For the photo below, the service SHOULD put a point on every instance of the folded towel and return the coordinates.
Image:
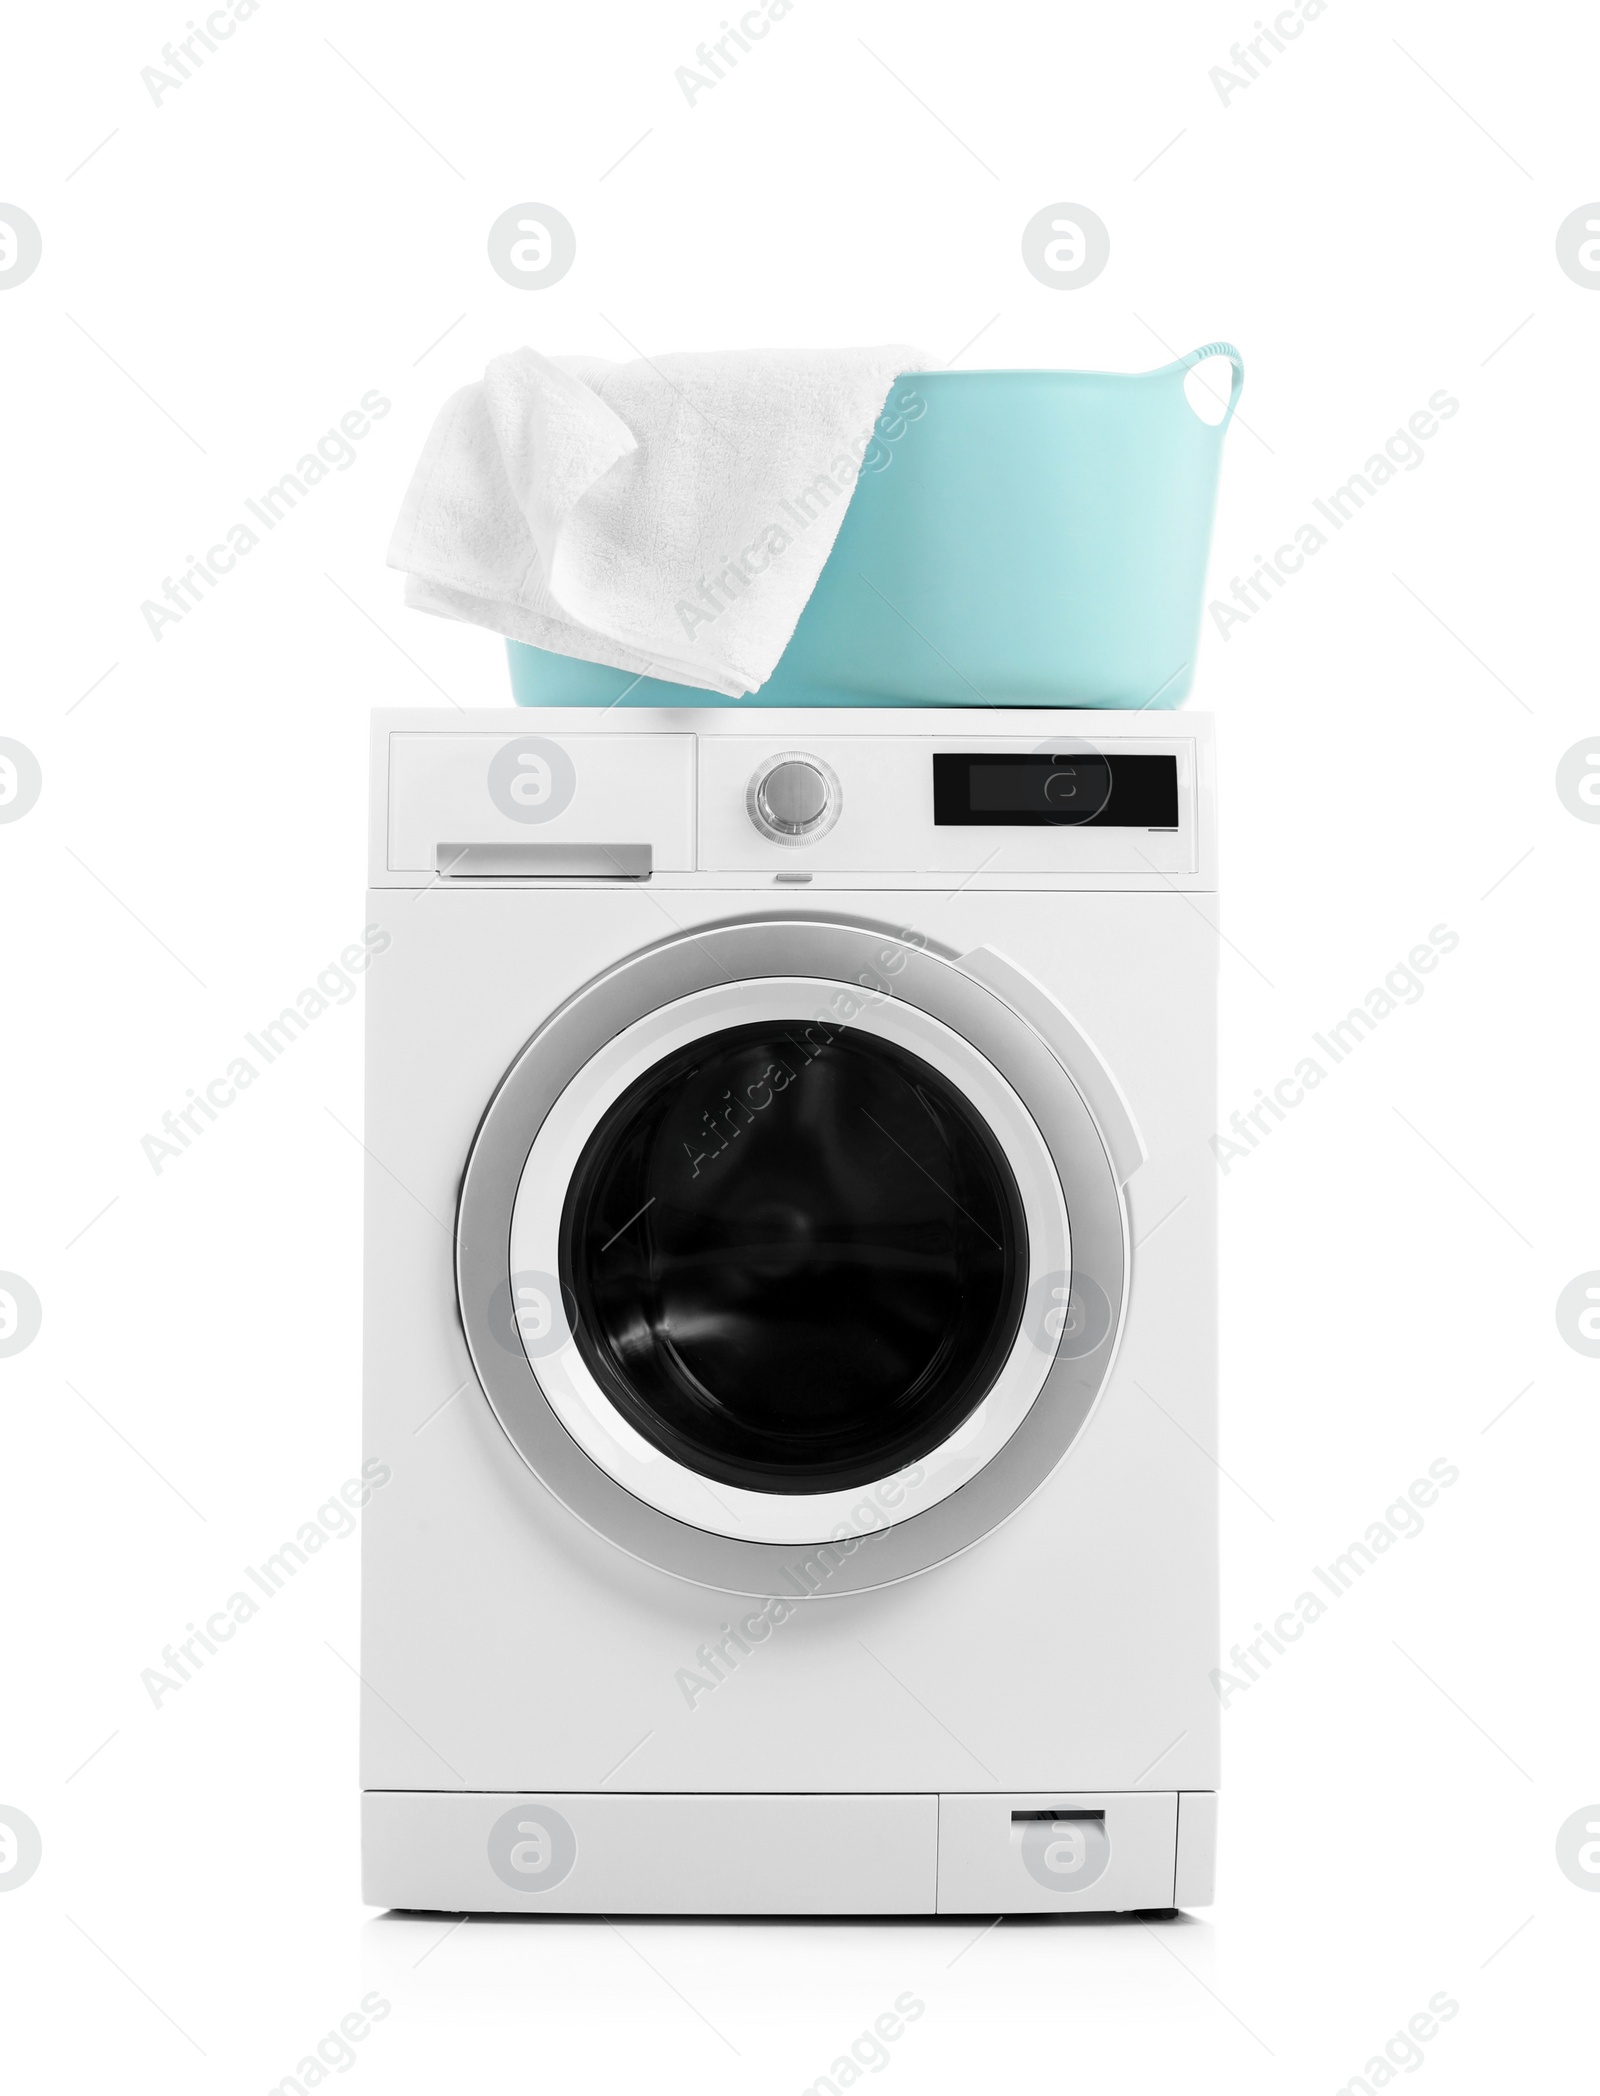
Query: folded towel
(670, 516)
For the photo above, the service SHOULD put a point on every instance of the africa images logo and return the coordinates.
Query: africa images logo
(532, 1847)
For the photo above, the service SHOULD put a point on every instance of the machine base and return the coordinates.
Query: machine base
(644, 1852)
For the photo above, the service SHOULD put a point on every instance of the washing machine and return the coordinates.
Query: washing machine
(790, 1312)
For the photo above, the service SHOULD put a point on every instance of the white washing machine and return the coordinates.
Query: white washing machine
(790, 1313)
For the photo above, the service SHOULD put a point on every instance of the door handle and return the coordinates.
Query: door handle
(543, 862)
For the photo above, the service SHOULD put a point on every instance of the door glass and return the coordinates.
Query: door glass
(797, 1254)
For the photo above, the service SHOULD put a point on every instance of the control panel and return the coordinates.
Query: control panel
(827, 799)
(934, 804)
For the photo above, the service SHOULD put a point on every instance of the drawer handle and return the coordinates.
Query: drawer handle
(543, 862)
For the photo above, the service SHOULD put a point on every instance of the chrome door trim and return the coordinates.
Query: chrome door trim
(863, 963)
(1074, 1051)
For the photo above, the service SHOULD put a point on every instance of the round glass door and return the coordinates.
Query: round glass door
(761, 1244)
(792, 1267)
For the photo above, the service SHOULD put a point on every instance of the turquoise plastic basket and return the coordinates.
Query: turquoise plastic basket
(1016, 538)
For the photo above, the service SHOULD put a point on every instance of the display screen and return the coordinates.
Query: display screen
(1138, 792)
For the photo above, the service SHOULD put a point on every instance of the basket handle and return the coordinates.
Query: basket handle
(1219, 349)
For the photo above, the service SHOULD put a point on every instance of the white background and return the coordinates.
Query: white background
(304, 220)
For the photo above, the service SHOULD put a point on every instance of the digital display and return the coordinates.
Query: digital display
(1138, 792)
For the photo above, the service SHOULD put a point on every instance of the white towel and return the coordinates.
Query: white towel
(669, 516)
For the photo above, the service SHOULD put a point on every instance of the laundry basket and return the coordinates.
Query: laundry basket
(1015, 538)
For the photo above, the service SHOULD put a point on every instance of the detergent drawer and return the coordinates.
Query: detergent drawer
(580, 792)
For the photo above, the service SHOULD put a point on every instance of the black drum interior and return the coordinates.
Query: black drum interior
(797, 1256)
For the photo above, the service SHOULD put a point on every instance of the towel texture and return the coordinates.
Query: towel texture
(668, 516)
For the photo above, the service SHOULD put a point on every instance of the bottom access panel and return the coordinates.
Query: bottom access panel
(646, 1852)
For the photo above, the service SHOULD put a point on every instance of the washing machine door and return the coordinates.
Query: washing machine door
(792, 1254)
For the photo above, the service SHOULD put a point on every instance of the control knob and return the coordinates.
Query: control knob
(794, 798)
